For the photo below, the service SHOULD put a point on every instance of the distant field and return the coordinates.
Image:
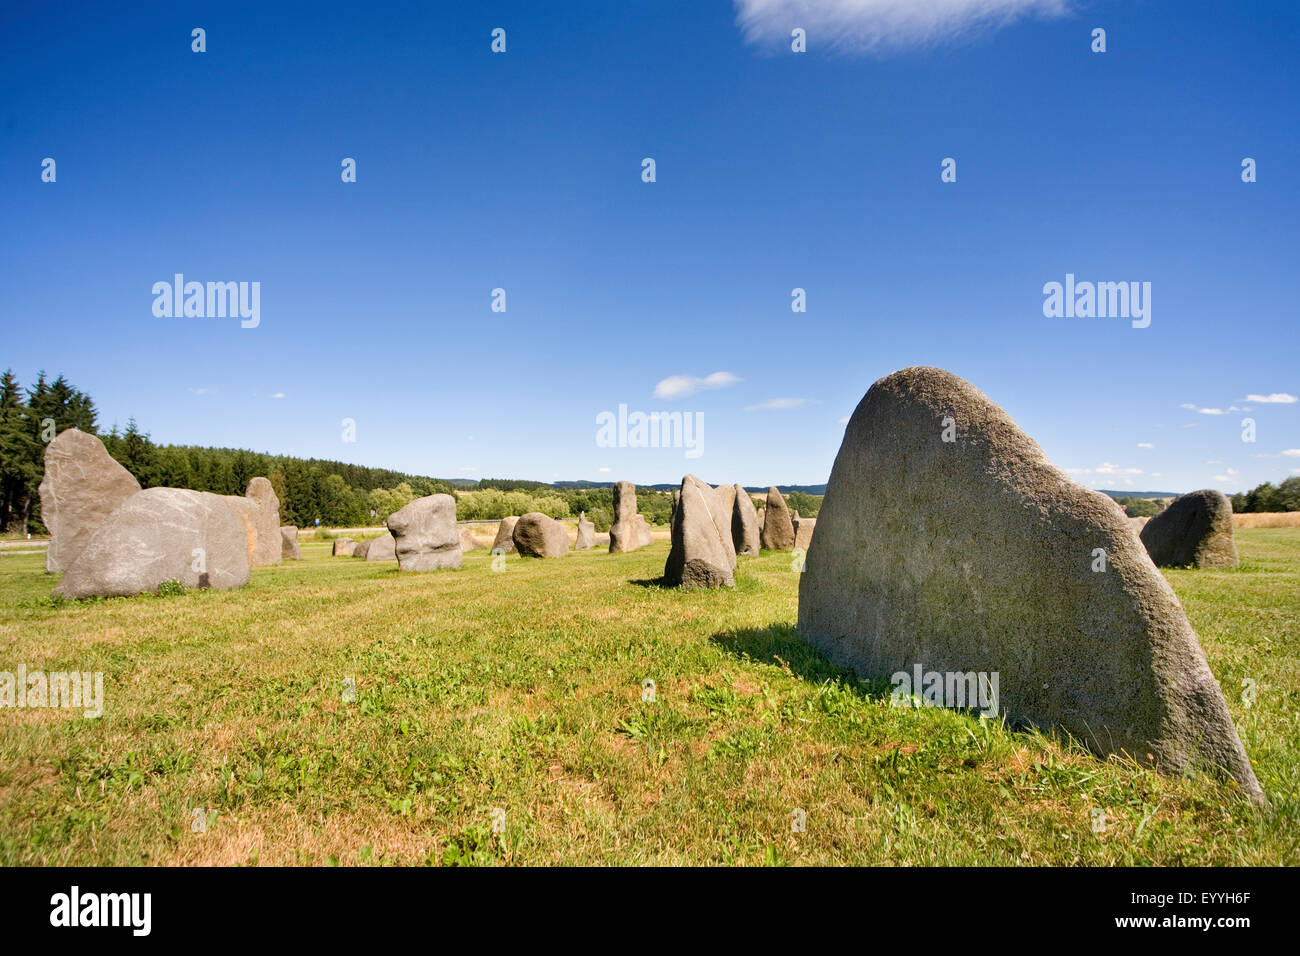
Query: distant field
(1274, 519)
(521, 691)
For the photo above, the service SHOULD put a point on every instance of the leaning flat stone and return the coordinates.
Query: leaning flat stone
(82, 486)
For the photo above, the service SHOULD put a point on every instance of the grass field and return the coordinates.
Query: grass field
(514, 699)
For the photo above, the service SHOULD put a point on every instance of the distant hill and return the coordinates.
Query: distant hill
(1140, 494)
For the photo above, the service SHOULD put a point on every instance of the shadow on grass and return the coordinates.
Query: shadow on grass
(781, 645)
(649, 582)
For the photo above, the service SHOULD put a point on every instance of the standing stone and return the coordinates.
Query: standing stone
(803, 531)
(160, 535)
(383, 548)
(504, 542)
(1196, 529)
(343, 547)
(624, 533)
(539, 536)
(289, 550)
(721, 509)
(468, 542)
(586, 533)
(744, 524)
(261, 492)
(424, 535)
(979, 556)
(82, 486)
(698, 557)
(1138, 523)
(778, 529)
(644, 535)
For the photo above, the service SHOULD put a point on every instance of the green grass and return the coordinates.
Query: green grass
(521, 692)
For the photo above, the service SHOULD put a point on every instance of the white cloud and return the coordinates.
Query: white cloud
(779, 403)
(1145, 444)
(200, 391)
(1275, 398)
(868, 25)
(844, 420)
(1292, 452)
(604, 471)
(1106, 468)
(680, 386)
(278, 395)
(468, 468)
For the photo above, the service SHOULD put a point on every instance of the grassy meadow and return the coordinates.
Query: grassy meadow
(499, 719)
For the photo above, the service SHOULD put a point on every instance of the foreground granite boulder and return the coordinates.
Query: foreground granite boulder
(626, 533)
(425, 536)
(949, 542)
(586, 533)
(744, 523)
(82, 486)
(699, 555)
(1196, 529)
(160, 535)
(289, 550)
(539, 536)
(777, 533)
(267, 522)
(505, 539)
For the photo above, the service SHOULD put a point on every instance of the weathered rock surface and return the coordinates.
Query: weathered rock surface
(777, 533)
(539, 536)
(625, 533)
(83, 485)
(289, 550)
(744, 523)
(644, 535)
(721, 510)
(468, 541)
(267, 550)
(383, 548)
(803, 532)
(343, 547)
(978, 555)
(586, 533)
(505, 539)
(424, 535)
(1196, 529)
(160, 535)
(699, 557)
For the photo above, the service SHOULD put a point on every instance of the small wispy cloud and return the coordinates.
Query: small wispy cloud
(605, 471)
(776, 403)
(200, 391)
(873, 25)
(844, 420)
(1106, 469)
(1145, 444)
(680, 386)
(1213, 411)
(278, 395)
(1291, 452)
(1273, 398)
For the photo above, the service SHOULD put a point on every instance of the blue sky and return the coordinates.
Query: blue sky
(774, 170)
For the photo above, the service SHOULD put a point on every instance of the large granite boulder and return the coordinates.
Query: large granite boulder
(1196, 529)
(975, 555)
(247, 512)
(504, 543)
(343, 547)
(289, 550)
(724, 505)
(777, 533)
(699, 555)
(83, 485)
(425, 536)
(538, 536)
(625, 534)
(744, 523)
(586, 533)
(268, 547)
(160, 535)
